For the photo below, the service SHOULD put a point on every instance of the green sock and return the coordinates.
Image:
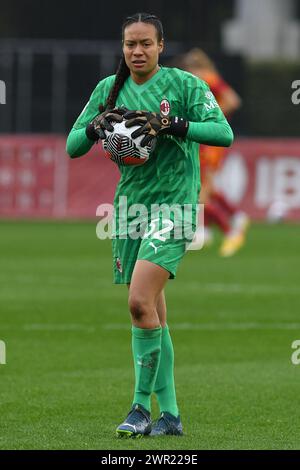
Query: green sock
(146, 345)
(164, 385)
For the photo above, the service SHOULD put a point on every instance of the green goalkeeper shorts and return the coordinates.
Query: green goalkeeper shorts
(126, 252)
(162, 241)
(164, 247)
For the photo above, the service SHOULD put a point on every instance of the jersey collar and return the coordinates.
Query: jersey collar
(140, 88)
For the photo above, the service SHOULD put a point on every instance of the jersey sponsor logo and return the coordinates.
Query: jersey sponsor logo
(212, 101)
(165, 107)
(209, 95)
(211, 105)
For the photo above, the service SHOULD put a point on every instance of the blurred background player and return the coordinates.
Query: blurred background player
(217, 209)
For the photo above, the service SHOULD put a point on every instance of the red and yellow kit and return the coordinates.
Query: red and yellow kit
(212, 157)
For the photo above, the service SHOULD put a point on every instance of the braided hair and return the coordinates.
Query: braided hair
(123, 71)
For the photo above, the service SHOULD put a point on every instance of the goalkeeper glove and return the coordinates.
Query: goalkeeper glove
(95, 130)
(153, 124)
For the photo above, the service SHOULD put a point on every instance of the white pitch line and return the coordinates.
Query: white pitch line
(58, 327)
(216, 326)
(244, 288)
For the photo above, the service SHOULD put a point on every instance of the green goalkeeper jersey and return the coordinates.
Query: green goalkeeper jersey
(172, 174)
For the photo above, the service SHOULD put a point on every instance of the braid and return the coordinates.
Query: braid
(122, 73)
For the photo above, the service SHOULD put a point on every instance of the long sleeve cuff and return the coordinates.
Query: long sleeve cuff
(77, 143)
(211, 133)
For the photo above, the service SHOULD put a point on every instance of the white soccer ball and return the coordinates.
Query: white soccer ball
(122, 149)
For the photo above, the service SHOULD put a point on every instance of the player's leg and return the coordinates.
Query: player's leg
(161, 308)
(148, 280)
(214, 213)
(237, 220)
(169, 421)
(147, 283)
(223, 202)
(157, 261)
(211, 214)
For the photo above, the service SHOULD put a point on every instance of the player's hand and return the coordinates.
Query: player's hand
(153, 124)
(95, 130)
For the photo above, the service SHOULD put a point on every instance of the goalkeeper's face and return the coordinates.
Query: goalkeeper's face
(141, 50)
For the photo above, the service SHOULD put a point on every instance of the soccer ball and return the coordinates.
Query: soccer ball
(122, 149)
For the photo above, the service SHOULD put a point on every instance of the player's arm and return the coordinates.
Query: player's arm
(228, 98)
(80, 141)
(229, 101)
(217, 133)
(205, 123)
(77, 143)
(92, 122)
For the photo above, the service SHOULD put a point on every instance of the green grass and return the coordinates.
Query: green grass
(68, 380)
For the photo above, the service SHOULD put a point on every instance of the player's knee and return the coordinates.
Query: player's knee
(139, 307)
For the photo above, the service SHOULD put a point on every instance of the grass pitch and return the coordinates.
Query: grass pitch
(68, 380)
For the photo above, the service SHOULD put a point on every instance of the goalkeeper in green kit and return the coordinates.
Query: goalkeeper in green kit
(179, 111)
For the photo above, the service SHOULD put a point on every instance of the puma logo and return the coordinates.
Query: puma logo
(155, 247)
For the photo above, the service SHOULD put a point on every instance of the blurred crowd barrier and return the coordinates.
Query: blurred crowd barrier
(38, 179)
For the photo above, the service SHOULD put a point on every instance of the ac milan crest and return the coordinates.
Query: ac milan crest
(165, 107)
(118, 264)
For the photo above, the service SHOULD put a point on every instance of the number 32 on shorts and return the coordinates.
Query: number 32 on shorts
(158, 233)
